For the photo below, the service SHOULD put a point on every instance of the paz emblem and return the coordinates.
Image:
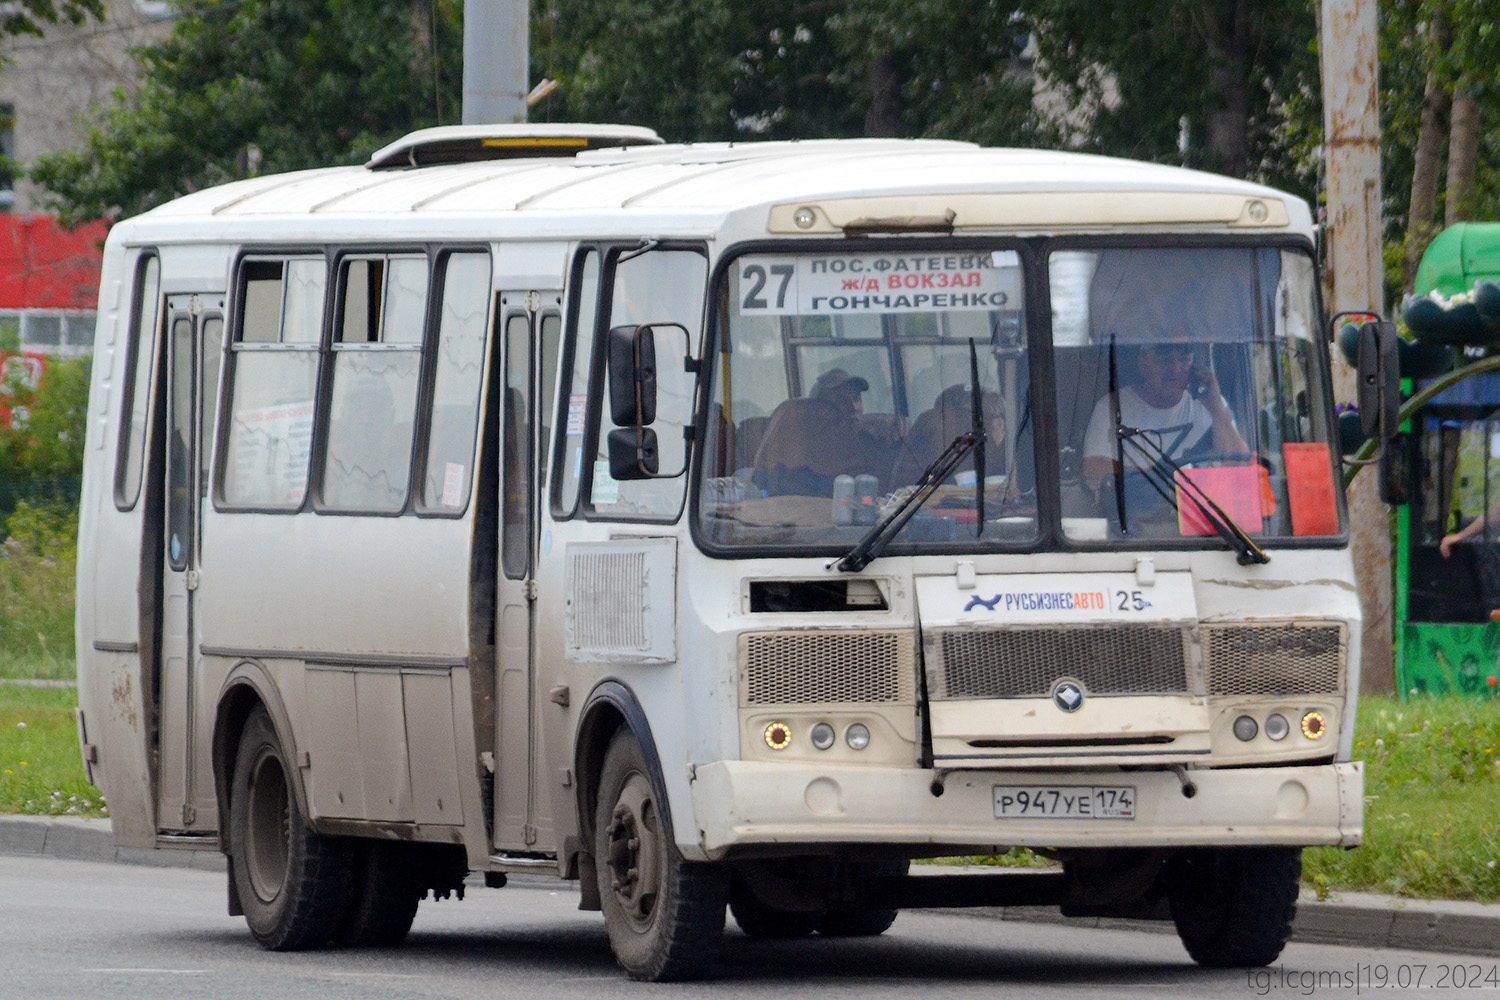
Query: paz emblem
(1067, 696)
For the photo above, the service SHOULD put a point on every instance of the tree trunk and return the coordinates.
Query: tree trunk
(884, 116)
(1432, 136)
(1227, 37)
(1421, 215)
(1463, 158)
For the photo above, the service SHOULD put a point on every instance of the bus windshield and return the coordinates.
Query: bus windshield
(1188, 384)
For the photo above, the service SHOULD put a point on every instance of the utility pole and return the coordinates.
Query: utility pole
(497, 55)
(1348, 44)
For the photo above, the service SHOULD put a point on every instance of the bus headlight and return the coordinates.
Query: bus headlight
(1245, 728)
(1277, 727)
(857, 736)
(822, 736)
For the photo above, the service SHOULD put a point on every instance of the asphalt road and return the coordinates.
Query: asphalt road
(79, 929)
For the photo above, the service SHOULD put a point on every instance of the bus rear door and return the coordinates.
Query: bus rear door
(195, 341)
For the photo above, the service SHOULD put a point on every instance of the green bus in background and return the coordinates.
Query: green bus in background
(1446, 642)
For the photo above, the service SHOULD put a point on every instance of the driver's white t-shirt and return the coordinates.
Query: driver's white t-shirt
(1179, 428)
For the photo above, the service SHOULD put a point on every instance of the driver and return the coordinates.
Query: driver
(1156, 398)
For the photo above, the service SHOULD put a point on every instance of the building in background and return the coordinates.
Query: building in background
(48, 84)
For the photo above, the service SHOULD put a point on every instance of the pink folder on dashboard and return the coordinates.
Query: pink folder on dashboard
(1235, 488)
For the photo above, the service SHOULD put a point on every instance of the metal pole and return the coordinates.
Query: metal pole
(496, 60)
(1349, 52)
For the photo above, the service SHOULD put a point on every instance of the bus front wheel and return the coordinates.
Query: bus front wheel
(1233, 907)
(292, 882)
(664, 916)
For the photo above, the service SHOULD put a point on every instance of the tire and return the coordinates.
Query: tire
(292, 882)
(865, 923)
(1234, 907)
(664, 916)
(761, 920)
(383, 897)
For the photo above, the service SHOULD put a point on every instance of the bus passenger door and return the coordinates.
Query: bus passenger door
(530, 329)
(195, 339)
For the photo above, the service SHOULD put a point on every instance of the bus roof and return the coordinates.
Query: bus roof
(699, 185)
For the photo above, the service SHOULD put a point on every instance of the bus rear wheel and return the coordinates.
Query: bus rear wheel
(1233, 907)
(664, 916)
(384, 895)
(292, 883)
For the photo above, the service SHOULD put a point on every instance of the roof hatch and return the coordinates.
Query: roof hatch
(472, 143)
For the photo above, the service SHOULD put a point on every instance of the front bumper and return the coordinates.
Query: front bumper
(754, 803)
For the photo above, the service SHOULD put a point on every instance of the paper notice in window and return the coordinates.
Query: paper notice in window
(453, 484)
(1235, 488)
(577, 406)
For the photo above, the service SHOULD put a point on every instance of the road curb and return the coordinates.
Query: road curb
(1358, 919)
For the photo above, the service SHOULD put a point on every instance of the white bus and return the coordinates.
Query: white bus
(721, 526)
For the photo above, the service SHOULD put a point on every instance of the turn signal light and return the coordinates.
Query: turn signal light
(778, 736)
(1314, 725)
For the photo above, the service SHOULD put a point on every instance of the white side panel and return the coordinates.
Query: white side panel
(331, 584)
(195, 268)
(539, 266)
(431, 740)
(622, 600)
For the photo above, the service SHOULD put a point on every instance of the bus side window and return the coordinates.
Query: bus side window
(459, 364)
(273, 374)
(662, 286)
(377, 356)
(584, 306)
(136, 397)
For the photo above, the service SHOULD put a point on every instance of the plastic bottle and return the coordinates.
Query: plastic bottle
(865, 487)
(843, 500)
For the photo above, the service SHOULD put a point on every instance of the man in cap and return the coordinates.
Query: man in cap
(810, 441)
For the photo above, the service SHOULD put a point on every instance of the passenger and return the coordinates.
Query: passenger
(1157, 399)
(1487, 521)
(811, 440)
(950, 416)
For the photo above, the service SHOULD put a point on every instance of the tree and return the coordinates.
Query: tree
(31, 17)
(1236, 79)
(1440, 87)
(262, 86)
(722, 70)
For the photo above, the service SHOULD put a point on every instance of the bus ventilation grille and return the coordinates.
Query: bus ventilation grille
(843, 667)
(1280, 658)
(1026, 662)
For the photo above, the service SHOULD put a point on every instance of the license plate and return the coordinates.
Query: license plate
(1065, 802)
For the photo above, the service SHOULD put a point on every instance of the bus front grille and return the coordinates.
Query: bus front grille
(1274, 658)
(828, 667)
(1027, 662)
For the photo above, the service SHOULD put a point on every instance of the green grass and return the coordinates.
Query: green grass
(41, 770)
(1432, 803)
(38, 548)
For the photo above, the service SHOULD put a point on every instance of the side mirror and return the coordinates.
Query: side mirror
(633, 453)
(632, 377)
(1379, 380)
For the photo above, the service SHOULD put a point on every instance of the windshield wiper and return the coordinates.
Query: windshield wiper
(1245, 549)
(879, 536)
(1114, 413)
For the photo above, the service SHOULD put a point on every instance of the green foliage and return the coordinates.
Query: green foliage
(1243, 76)
(41, 770)
(721, 70)
(1432, 810)
(41, 456)
(31, 17)
(37, 558)
(241, 89)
